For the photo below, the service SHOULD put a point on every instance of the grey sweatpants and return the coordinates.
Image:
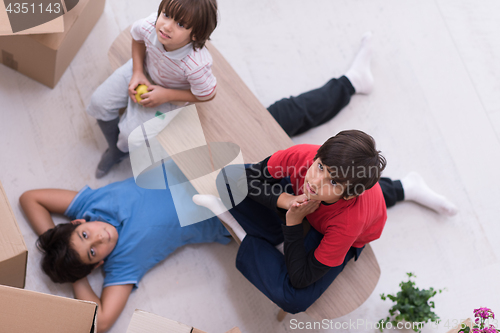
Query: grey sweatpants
(112, 95)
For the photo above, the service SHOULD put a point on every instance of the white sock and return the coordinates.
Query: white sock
(360, 73)
(217, 207)
(415, 189)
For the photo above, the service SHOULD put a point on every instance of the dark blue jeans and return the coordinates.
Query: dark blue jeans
(264, 266)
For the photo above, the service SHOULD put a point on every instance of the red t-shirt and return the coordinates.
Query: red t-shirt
(345, 223)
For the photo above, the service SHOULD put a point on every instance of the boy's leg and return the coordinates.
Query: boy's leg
(111, 95)
(392, 191)
(105, 104)
(299, 114)
(248, 216)
(113, 154)
(259, 221)
(413, 188)
(264, 266)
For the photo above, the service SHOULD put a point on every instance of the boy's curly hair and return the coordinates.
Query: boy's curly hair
(60, 261)
(201, 15)
(353, 161)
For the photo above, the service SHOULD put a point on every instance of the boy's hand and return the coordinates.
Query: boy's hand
(297, 199)
(137, 79)
(286, 200)
(298, 211)
(156, 95)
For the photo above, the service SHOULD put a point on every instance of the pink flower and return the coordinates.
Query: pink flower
(484, 313)
(490, 329)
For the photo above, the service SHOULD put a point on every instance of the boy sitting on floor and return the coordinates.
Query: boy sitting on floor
(169, 57)
(337, 187)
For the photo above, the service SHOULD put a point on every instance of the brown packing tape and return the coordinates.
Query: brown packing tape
(70, 4)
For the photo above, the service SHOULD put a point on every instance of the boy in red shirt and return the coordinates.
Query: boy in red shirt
(338, 187)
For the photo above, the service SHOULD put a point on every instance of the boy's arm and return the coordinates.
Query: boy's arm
(109, 306)
(38, 204)
(266, 190)
(203, 88)
(303, 268)
(158, 95)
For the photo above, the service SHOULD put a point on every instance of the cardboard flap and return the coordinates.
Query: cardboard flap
(11, 239)
(56, 25)
(234, 330)
(54, 40)
(13, 271)
(28, 311)
(143, 321)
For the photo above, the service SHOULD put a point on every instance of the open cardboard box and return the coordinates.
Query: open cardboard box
(13, 251)
(45, 57)
(143, 321)
(23, 311)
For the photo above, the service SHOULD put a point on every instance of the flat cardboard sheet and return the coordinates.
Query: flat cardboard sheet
(143, 321)
(23, 311)
(56, 25)
(13, 251)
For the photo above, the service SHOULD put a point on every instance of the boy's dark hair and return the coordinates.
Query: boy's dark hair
(201, 15)
(353, 161)
(60, 261)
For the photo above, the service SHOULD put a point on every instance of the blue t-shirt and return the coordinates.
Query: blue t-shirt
(147, 225)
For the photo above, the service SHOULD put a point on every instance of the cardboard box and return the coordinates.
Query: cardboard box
(13, 251)
(55, 25)
(23, 311)
(45, 57)
(143, 321)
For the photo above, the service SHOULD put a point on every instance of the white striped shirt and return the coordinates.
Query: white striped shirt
(184, 68)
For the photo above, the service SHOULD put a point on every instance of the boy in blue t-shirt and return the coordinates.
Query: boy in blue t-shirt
(121, 226)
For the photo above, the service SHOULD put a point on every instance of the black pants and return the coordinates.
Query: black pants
(299, 114)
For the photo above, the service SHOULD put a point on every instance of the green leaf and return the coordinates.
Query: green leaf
(411, 303)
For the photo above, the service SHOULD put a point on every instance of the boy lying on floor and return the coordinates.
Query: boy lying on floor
(124, 228)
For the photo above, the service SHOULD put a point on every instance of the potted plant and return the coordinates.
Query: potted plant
(482, 315)
(412, 309)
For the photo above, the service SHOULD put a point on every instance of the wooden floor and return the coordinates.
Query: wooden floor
(435, 109)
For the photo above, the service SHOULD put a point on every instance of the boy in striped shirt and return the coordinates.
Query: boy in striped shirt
(169, 57)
